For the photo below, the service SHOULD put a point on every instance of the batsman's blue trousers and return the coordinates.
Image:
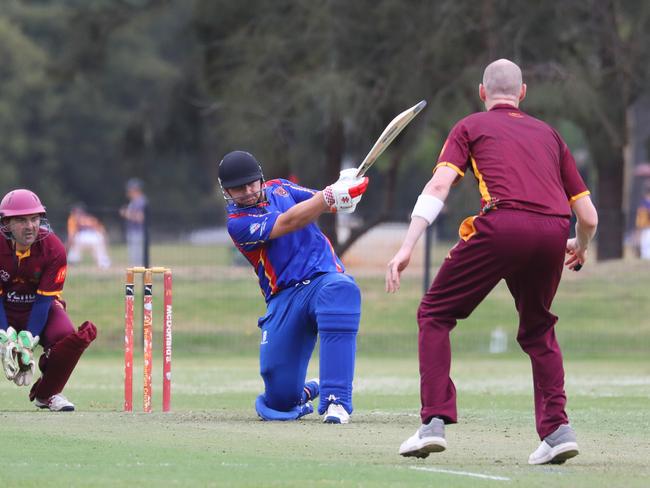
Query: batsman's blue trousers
(327, 306)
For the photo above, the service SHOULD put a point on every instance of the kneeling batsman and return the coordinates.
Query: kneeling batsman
(307, 293)
(17, 355)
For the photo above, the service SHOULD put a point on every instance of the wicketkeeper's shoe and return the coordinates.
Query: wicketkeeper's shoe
(557, 447)
(56, 403)
(336, 414)
(427, 439)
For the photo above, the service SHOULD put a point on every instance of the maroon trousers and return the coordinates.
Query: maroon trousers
(62, 346)
(525, 249)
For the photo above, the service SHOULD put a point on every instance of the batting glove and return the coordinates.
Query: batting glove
(26, 345)
(344, 195)
(9, 352)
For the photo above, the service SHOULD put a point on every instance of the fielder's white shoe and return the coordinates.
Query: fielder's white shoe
(336, 414)
(427, 439)
(557, 447)
(56, 403)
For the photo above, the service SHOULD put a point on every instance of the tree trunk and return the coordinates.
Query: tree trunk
(608, 135)
(334, 145)
(609, 195)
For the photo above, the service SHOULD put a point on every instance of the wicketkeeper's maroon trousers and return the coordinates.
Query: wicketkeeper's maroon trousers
(525, 249)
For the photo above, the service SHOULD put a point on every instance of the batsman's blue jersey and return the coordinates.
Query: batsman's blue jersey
(286, 260)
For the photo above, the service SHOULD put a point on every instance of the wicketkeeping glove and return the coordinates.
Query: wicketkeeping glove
(26, 345)
(344, 195)
(9, 352)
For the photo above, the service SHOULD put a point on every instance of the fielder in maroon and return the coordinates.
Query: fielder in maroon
(529, 185)
(32, 273)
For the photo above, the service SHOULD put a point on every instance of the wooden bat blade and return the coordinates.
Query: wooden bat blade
(390, 133)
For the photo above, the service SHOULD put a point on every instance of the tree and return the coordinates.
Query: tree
(589, 72)
(103, 91)
(311, 84)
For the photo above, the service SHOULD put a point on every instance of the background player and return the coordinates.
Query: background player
(32, 274)
(306, 290)
(529, 184)
(135, 219)
(85, 231)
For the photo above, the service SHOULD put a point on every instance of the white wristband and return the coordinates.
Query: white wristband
(428, 207)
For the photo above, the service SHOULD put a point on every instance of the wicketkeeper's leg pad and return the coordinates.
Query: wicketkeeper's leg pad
(59, 361)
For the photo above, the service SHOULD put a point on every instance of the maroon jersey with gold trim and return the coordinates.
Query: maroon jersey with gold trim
(39, 270)
(519, 161)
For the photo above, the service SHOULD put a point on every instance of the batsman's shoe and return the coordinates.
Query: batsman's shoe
(336, 414)
(265, 412)
(557, 447)
(311, 390)
(427, 439)
(56, 403)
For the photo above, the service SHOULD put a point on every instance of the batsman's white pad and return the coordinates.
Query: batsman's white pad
(428, 207)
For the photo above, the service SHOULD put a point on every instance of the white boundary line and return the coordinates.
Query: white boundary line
(462, 473)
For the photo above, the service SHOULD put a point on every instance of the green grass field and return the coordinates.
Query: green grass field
(213, 438)
(603, 310)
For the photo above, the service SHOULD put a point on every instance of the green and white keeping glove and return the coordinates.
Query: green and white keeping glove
(9, 352)
(27, 366)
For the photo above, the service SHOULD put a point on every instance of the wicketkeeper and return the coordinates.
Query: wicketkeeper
(32, 274)
(307, 292)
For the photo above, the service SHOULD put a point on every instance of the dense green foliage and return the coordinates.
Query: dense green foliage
(94, 92)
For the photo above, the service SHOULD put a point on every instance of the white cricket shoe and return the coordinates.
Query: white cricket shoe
(427, 439)
(56, 403)
(557, 447)
(336, 414)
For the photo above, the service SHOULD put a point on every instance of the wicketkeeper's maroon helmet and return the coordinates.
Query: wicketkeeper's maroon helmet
(21, 202)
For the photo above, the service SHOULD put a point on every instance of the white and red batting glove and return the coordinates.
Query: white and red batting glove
(344, 195)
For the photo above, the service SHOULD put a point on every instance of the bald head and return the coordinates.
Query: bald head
(502, 83)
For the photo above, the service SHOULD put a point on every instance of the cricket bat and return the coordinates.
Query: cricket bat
(390, 133)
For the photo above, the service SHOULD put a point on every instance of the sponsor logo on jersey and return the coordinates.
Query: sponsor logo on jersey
(265, 337)
(13, 297)
(516, 115)
(254, 227)
(4, 276)
(280, 191)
